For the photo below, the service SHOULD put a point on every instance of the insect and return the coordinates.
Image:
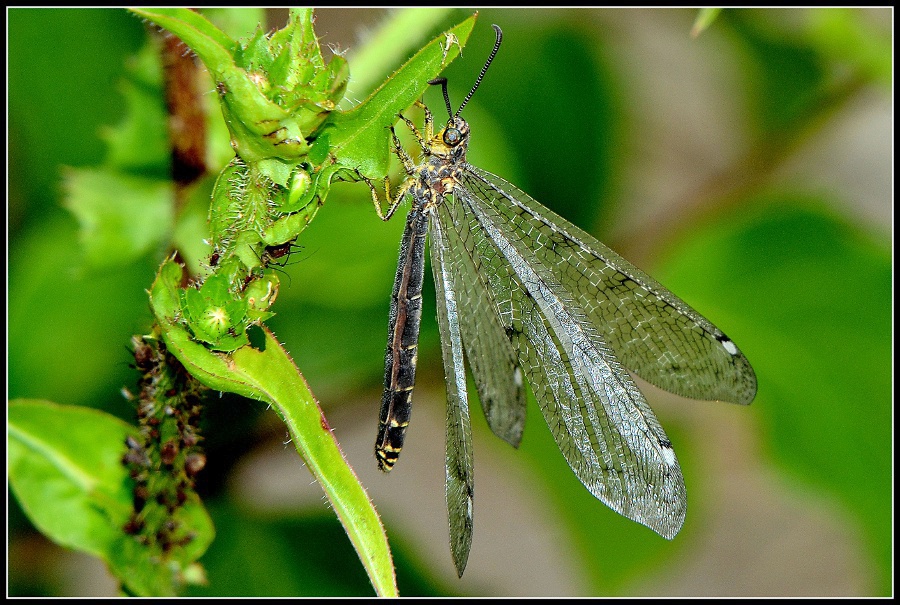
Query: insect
(273, 253)
(525, 295)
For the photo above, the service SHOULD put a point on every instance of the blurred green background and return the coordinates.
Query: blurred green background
(748, 169)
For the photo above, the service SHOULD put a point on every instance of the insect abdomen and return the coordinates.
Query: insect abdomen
(403, 340)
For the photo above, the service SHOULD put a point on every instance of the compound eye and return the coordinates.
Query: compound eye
(452, 137)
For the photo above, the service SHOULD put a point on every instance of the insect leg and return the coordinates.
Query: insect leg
(408, 165)
(393, 203)
(429, 121)
(423, 141)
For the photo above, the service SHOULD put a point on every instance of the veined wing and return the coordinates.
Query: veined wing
(460, 293)
(600, 420)
(459, 458)
(491, 357)
(653, 332)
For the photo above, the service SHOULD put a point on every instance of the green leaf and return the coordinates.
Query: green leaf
(252, 118)
(140, 568)
(845, 35)
(194, 25)
(392, 42)
(268, 374)
(65, 469)
(220, 323)
(360, 138)
(235, 22)
(124, 208)
(140, 143)
(275, 90)
(122, 217)
(704, 19)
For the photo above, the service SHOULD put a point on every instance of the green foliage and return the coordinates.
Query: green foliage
(66, 459)
(359, 138)
(122, 217)
(124, 207)
(276, 92)
(212, 312)
(65, 468)
(277, 95)
(267, 373)
(827, 416)
(847, 38)
(802, 290)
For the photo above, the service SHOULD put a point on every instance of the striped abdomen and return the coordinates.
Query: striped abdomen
(403, 339)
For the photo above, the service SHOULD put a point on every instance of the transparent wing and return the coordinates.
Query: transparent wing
(494, 364)
(653, 332)
(601, 422)
(459, 460)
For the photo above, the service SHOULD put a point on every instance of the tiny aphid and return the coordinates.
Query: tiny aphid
(521, 292)
(273, 253)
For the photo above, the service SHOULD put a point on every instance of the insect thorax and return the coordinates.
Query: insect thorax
(437, 176)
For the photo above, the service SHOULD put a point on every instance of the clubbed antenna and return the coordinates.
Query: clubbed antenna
(443, 81)
(483, 69)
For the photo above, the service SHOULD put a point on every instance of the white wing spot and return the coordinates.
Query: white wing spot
(668, 455)
(730, 347)
(517, 377)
